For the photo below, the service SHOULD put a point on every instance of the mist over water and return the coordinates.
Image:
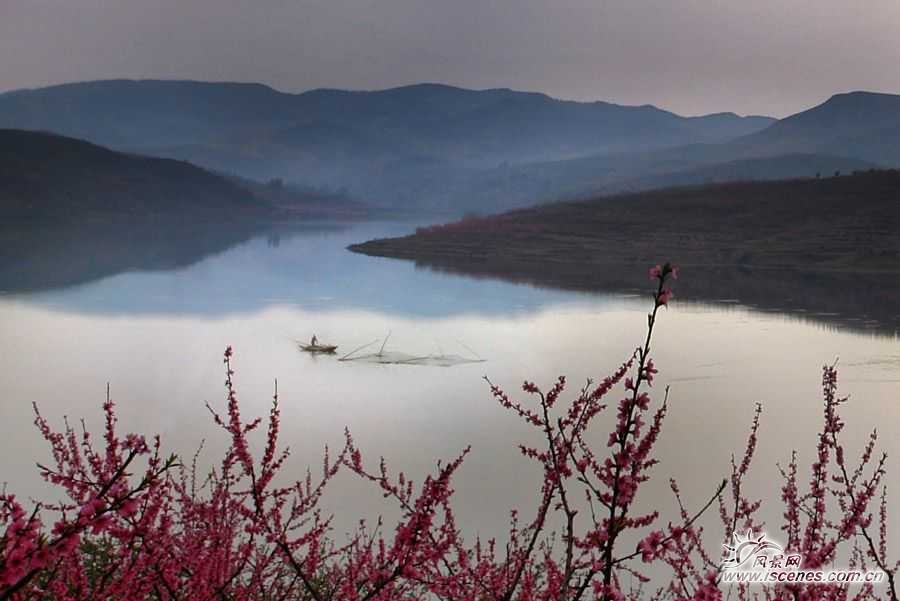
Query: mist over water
(157, 336)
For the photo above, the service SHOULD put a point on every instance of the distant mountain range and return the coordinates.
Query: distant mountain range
(440, 148)
(400, 147)
(245, 122)
(848, 132)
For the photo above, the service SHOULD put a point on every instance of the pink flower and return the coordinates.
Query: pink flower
(129, 508)
(649, 371)
(708, 589)
(665, 296)
(651, 546)
(655, 272)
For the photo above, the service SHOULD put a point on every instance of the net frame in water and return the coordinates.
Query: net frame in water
(383, 357)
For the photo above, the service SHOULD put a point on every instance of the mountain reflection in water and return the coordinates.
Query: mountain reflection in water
(173, 267)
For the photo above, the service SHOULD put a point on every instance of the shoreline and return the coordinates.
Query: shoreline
(823, 246)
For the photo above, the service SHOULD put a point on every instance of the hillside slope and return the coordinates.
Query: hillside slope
(834, 223)
(827, 246)
(863, 125)
(47, 176)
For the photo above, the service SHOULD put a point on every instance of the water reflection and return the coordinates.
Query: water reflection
(51, 256)
(157, 337)
(303, 267)
(862, 302)
(213, 269)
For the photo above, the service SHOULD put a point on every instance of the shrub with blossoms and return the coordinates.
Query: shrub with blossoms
(138, 524)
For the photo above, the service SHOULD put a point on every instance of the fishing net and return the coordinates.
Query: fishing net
(391, 357)
(398, 358)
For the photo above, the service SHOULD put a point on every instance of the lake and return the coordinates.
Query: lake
(157, 337)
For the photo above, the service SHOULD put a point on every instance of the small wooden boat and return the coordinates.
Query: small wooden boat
(326, 349)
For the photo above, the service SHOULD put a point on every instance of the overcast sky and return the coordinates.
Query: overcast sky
(771, 57)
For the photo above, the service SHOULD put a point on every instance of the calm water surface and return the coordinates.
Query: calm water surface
(157, 337)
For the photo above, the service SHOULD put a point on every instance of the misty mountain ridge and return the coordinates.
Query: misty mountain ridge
(849, 132)
(436, 147)
(363, 140)
(436, 120)
(864, 125)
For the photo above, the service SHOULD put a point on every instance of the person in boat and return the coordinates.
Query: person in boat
(314, 341)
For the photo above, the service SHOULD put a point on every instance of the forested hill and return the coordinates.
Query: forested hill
(48, 176)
